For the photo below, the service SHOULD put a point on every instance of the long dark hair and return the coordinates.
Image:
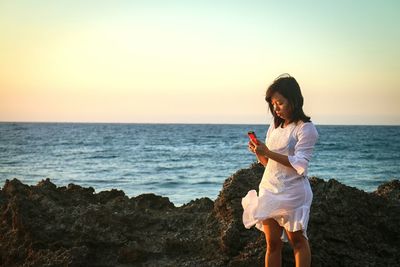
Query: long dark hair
(288, 87)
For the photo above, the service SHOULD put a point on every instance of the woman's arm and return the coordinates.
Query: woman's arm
(263, 160)
(263, 154)
(307, 137)
(282, 159)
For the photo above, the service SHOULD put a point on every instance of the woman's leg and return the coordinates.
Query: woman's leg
(301, 248)
(273, 232)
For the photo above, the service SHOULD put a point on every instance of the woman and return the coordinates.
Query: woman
(281, 209)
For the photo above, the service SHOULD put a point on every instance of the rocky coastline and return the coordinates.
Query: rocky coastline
(46, 225)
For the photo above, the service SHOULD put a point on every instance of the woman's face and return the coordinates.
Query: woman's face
(281, 106)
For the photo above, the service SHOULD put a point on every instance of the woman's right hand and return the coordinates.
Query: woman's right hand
(252, 147)
(260, 146)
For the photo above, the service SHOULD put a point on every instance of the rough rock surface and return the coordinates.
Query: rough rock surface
(45, 225)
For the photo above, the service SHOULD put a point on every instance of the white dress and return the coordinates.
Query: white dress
(284, 192)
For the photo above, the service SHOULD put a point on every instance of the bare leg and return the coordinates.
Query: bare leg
(273, 232)
(301, 248)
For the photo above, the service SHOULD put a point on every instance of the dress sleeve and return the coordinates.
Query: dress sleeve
(307, 136)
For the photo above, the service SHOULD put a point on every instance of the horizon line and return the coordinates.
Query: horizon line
(181, 123)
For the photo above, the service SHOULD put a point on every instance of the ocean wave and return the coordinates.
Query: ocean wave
(102, 157)
(174, 168)
(170, 184)
(205, 182)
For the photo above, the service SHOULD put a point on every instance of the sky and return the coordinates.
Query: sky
(197, 61)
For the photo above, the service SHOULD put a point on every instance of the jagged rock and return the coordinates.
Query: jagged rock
(228, 209)
(152, 201)
(390, 190)
(46, 225)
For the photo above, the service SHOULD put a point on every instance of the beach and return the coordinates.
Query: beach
(74, 226)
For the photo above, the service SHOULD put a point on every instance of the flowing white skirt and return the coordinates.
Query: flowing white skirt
(290, 208)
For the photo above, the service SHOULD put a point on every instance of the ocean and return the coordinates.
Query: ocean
(181, 161)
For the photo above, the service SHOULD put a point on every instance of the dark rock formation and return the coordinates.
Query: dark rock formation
(390, 191)
(45, 225)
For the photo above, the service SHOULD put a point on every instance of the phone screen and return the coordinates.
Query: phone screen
(252, 136)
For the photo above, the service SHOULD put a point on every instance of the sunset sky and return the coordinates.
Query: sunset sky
(197, 61)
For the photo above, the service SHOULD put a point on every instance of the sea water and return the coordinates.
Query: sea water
(181, 161)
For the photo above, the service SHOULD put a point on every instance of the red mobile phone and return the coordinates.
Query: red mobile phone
(252, 136)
